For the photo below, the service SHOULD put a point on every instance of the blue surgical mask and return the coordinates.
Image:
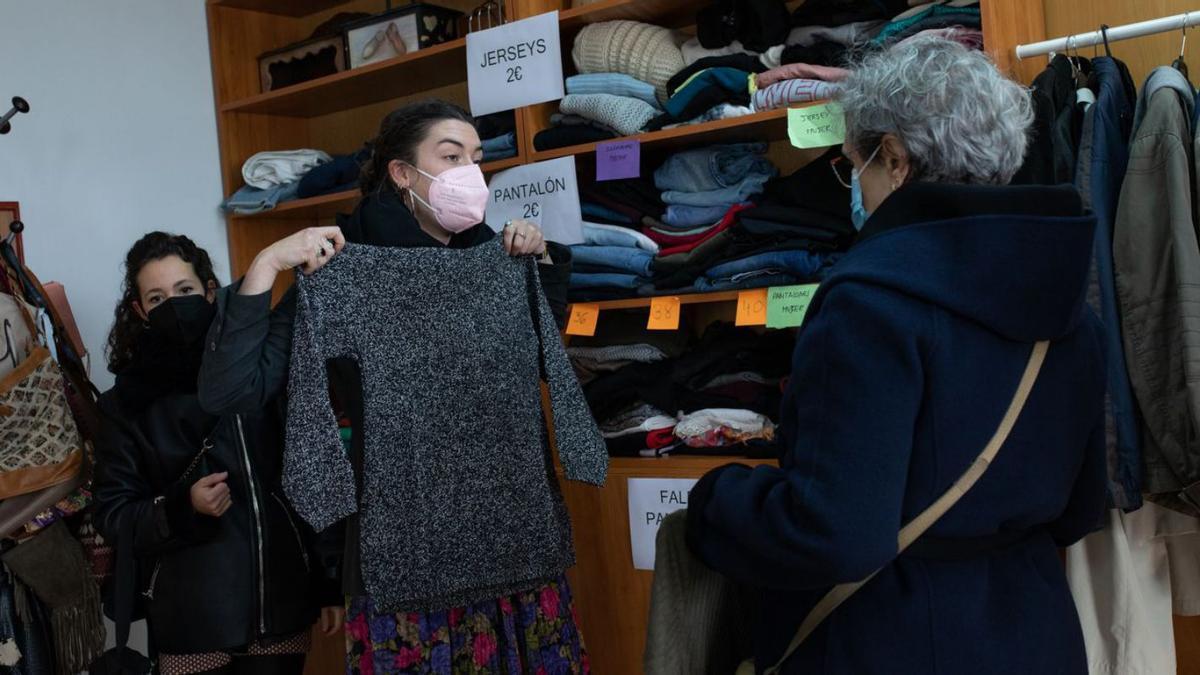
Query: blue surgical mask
(858, 212)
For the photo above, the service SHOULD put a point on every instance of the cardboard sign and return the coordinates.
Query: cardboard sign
(514, 65)
(787, 305)
(664, 314)
(650, 500)
(618, 159)
(752, 308)
(583, 320)
(817, 126)
(545, 193)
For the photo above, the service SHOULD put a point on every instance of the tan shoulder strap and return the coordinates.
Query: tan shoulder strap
(914, 529)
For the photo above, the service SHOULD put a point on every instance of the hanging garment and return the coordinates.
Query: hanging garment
(1103, 157)
(1156, 259)
(1127, 580)
(449, 462)
(1050, 156)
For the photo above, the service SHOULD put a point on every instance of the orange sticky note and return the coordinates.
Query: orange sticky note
(752, 308)
(664, 314)
(583, 320)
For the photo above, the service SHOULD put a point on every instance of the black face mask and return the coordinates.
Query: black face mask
(182, 321)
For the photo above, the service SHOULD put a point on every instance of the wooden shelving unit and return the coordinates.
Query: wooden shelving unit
(769, 125)
(339, 112)
(328, 206)
(441, 65)
(689, 299)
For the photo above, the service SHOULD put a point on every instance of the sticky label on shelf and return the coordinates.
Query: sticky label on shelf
(618, 159)
(817, 126)
(583, 320)
(788, 305)
(664, 314)
(752, 308)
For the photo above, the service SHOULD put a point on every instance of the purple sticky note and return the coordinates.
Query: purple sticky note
(618, 159)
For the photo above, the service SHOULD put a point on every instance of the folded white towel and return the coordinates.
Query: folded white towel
(266, 170)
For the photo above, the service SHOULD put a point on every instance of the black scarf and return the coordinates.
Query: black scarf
(382, 219)
(158, 369)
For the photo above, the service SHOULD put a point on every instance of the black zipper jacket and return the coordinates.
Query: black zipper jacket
(208, 583)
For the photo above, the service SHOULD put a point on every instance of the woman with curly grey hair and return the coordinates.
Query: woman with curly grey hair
(907, 362)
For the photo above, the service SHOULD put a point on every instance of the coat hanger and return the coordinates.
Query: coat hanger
(1104, 34)
(1179, 63)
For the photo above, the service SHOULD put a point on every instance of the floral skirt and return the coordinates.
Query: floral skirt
(530, 633)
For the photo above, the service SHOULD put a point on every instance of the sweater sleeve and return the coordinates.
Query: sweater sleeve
(317, 475)
(580, 446)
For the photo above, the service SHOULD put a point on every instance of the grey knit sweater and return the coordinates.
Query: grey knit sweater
(459, 503)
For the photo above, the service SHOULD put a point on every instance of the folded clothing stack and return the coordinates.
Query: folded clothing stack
(794, 83)
(723, 221)
(498, 131)
(642, 51)
(931, 16)
(614, 259)
(791, 234)
(599, 106)
(721, 394)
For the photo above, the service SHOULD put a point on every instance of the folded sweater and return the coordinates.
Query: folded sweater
(266, 170)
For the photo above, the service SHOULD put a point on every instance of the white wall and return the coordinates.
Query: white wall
(121, 140)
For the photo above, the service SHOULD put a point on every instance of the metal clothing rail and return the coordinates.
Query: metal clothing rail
(1071, 42)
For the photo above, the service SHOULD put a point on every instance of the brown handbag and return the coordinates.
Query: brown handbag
(40, 443)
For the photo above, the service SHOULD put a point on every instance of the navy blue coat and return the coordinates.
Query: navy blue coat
(907, 361)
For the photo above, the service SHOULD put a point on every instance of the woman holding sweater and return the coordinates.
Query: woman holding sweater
(420, 189)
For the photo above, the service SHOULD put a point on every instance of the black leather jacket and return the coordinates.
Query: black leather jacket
(208, 583)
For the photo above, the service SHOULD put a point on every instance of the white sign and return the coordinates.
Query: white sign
(514, 65)
(650, 500)
(545, 193)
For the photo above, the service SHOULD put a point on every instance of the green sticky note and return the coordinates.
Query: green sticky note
(787, 305)
(817, 126)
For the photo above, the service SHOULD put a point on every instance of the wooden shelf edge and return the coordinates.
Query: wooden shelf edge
(652, 137)
(293, 8)
(343, 200)
(689, 299)
(258, 102)
(650, 11)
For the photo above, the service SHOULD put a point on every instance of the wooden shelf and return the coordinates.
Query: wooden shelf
(281, 7)
(327, 206)
(691, 299)
(770, 125)
(670, 13)
(429, 68)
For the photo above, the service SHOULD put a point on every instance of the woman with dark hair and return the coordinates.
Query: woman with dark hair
(422, 187)
(225, 564)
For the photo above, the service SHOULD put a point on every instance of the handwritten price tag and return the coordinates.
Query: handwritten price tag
(752, 308)
(618, 159)
(788, 305)
(664, 314)
(817, 126)
(583, 320)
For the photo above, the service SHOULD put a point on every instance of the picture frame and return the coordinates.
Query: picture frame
(398, 32)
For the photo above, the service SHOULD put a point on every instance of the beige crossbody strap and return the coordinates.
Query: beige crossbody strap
(913, 530)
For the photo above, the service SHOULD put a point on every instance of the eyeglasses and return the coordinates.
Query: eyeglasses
(843, 168)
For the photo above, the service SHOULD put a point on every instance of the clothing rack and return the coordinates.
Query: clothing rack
(1105, 35)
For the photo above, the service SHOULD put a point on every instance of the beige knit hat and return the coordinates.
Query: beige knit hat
(641, 50)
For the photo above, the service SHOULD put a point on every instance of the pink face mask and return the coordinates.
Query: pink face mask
(457, 197)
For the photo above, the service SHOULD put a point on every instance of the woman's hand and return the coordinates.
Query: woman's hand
(522, 237)
(309, 249)
(332, 619)
(210, 495)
